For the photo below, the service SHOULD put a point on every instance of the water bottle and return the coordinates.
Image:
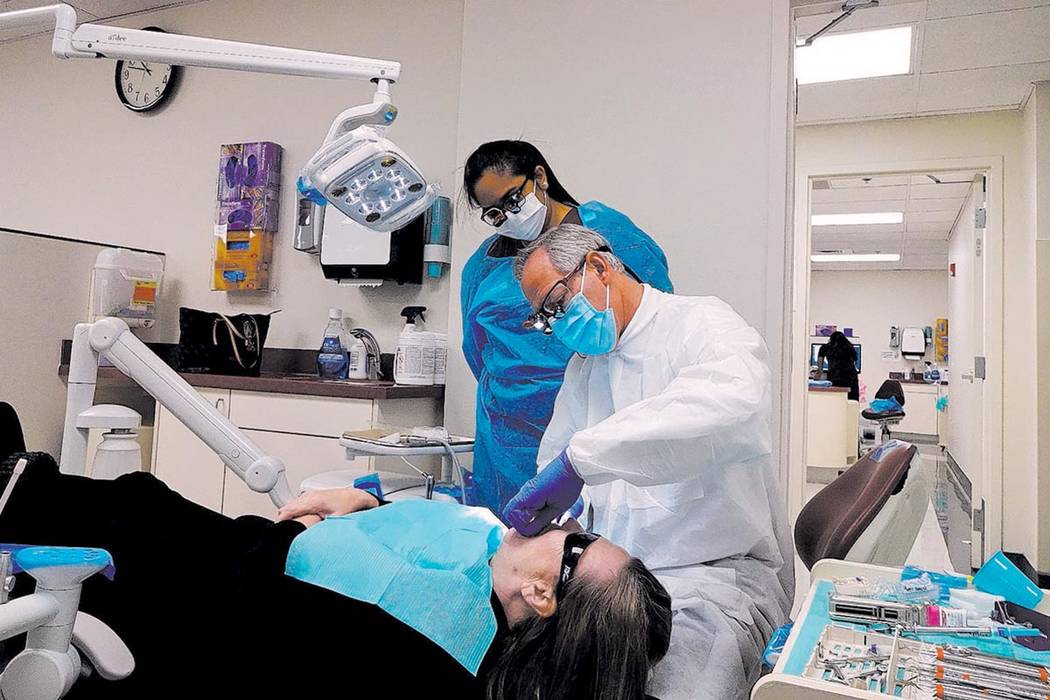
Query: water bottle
(332, 360)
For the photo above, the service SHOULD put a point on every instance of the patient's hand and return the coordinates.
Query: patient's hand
(328, 502)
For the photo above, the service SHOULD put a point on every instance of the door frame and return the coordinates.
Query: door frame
(794, 380)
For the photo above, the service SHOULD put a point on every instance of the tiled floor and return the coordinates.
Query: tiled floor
(941, 540)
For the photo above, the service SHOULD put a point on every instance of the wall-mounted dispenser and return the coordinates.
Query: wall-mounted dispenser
(355, 255)
(913, 343)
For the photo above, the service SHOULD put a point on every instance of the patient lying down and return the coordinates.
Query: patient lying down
(211, 605)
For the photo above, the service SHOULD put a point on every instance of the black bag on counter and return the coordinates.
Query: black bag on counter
(219, 344)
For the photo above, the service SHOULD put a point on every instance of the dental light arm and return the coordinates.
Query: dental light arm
(356, 169)
(111, 338)
(102, 41)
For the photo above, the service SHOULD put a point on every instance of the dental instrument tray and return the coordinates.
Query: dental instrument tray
(885, 664)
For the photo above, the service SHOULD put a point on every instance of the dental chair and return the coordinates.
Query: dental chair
(872, 513)
(63, 644)
(890, 389)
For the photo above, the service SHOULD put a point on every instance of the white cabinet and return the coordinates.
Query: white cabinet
(303, 431)
(302, 415)
(185, 463)
(303, 456)
(920, 408)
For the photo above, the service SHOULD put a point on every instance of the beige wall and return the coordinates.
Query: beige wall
(870, 302)
(988, 134)
(675, 113)
(86, 167)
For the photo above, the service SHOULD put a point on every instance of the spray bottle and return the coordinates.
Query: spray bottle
(409, 365)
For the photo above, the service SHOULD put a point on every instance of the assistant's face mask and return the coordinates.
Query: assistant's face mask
(527, 223)
(585, 329)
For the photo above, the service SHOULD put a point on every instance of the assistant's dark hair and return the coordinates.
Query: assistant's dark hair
(511, 158)
(839, 350)
(601, 643)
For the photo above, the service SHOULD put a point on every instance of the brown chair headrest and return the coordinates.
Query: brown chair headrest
(830, 524)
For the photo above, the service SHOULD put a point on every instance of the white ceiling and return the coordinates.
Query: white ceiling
(87, 11)
(967, 56)
(930, 210)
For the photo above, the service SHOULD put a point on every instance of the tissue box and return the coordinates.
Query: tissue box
(249, 171)
(242, 260)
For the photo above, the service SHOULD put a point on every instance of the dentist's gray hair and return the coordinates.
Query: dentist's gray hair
(567, 245)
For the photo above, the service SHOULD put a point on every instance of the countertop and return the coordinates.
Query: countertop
(829, 389)
(285, 372)
(920, 381)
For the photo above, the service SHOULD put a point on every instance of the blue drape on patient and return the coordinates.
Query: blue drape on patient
(423, 562)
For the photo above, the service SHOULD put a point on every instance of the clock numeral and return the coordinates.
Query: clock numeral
(126, 74)
(137, 95)
(130, 87)
(165, 81)
(157, 91)
(147, 98)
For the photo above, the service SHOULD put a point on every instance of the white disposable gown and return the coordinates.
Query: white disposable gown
(670, 432)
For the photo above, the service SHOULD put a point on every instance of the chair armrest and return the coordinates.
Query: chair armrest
(101, 646)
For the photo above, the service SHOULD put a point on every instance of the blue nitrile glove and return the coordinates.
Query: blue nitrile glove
(544, 497)
(577, 509)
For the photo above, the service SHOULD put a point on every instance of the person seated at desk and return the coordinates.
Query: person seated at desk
(842, 363)
(247, 607)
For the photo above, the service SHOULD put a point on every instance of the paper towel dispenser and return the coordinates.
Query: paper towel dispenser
(913, 343)
(354, 254)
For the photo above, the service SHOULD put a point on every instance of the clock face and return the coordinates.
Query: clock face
(142, 86)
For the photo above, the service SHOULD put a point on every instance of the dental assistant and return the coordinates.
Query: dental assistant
(664, 417)
(519, 371)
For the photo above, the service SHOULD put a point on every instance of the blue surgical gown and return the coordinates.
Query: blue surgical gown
(519, 370)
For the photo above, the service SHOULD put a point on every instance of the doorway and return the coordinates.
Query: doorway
(858, 285)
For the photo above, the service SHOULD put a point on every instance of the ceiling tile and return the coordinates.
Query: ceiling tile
(980, 41)
(932, 191)
(950, 177)
(979, 88)
(927, 227)
(931, 204)
(939, 235)
(877, 229)
(872, 97)
(930, 216)
(868, 18)
(839, 183)
(860, 194)
(939, 9)
(864, 207)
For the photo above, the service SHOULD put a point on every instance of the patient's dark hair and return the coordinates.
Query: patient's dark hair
(601, 643)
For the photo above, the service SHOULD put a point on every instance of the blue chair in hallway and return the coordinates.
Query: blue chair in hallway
(890, 389)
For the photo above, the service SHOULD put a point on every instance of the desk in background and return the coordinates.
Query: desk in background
(831, 427)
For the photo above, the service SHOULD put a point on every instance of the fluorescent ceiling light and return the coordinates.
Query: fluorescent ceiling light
(855, 257)
(877, 217)
(853, 55)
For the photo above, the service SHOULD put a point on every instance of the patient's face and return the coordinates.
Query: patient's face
(521, 560)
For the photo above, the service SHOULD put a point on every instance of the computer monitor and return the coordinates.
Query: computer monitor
(814, 355)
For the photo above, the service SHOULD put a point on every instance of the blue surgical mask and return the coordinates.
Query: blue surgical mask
(526, 224)
(584, 328)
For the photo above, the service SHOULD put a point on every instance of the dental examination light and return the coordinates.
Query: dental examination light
(357, 170)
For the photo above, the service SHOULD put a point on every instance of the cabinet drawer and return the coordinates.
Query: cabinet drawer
(306, 415)
(303, 456)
